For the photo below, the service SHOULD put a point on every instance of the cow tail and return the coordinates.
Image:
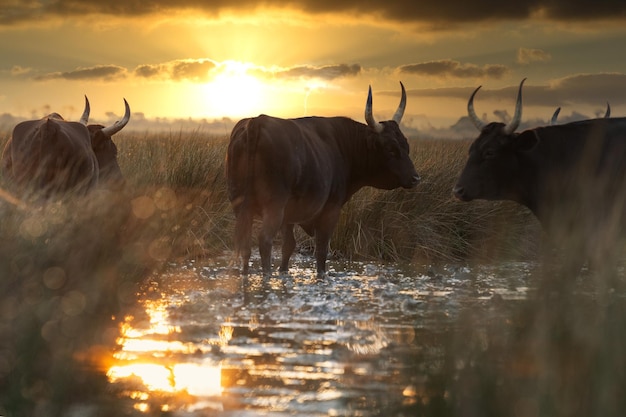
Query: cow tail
(244, 212)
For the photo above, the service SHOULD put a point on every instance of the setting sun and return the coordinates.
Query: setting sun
(235, 91)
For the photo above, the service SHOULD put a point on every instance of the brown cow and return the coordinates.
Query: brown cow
(52, 156)
(302, 171)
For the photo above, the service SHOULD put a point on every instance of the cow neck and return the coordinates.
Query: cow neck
(365, 154)
(549, 169)
(356, 143)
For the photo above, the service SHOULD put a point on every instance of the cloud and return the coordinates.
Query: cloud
(410, 11)
(17, 70)
(590, 88)
(194, 70)
(327, 72)
(198, 70)
(151, 71)
(98, 72)
(527, 55)
(203, 70)
(575, 90)
(455, 69)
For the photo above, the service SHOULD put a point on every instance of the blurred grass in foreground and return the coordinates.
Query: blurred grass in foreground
(71, 270)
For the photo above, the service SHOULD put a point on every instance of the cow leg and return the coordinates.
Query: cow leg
(272, 220)
(246, 252)
(323, 232)
(243, 237)
(289, 244)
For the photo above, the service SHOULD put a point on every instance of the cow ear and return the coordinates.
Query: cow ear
(97, 138)
(526, 141)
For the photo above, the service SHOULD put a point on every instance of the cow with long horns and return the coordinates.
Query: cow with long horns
(302, 171)
(571, 176)
(52, 156)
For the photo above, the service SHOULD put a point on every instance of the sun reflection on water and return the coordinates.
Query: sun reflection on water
(155, 364)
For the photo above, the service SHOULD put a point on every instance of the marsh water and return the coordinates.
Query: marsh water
(367, 340)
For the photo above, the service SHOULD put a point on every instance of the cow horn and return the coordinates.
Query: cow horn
(517, 117)
(369, 117)
(472, 113)
(85, 117)
(119, 125)
(554, 116)
(397, 117)
(608, 111)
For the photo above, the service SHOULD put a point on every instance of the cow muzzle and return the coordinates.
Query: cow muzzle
(415, 179)
(461, 193)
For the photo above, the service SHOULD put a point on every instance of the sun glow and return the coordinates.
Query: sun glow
(235, 91)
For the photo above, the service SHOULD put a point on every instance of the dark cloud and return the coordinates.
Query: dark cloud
(192, 70)
(450, 68)
(98, 72)
(189, 70)
(327, 72)
(150, 71)
(579, 88)
(605, 86)
(432, 12)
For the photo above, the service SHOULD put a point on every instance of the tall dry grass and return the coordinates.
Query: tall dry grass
(425, 223)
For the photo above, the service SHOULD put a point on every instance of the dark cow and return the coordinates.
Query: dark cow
(302, 171)
(571, 176)
(555, 115)
(52, 156)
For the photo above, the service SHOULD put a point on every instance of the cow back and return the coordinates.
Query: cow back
(277, 160)
(50, 155)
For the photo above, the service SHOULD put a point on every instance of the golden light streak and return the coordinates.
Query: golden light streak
(202, 379)
(155, 377)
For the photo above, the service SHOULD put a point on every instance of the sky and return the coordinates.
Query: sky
(210, 63)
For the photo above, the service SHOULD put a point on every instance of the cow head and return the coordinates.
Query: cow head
(104, 147)
(391, 149)
(493, 170)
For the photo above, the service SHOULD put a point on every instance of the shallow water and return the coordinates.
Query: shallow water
(366, 340)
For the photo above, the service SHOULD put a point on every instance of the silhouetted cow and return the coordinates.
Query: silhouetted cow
(571, 176)
(302, 171)
(51, 156)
